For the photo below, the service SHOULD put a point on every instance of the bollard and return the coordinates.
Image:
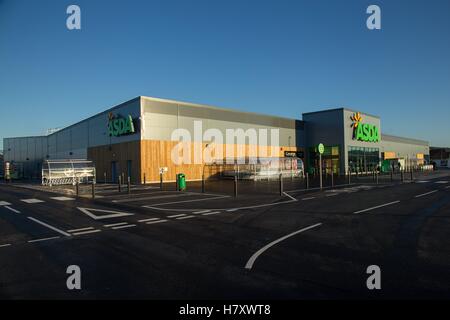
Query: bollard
(120, 184)
(145, 180)
(376, 175)
(412, 177)
(281, 184)
(332, 178)
(401, 176)
(203, 183)
(161, 181)
(349, 176)
(104, 177)
(93, 189)
(307, 181)
(77, 188)
(129, 185)
(176, 183)
(392, 177)
(235, 187)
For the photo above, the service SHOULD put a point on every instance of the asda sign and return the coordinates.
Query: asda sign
(364, 131)
(119, 126)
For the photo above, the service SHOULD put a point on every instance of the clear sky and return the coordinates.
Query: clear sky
(272, 56)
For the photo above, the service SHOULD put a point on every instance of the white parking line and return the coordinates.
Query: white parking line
(210, 213)
(32, 200)
(255, 256)
(126, 226)
(310, 198)
(373, 208)
(187, 217)
(289, 196)
(12, 209)
(5, 245)
(176, 215)
(158, 221)
(80, 229)
(425, 194)
(50, 227)
(441, 182)
(4, 203)
(86, 232)
(332, 195)
(151, 219)
(115, 224)
(43, 239)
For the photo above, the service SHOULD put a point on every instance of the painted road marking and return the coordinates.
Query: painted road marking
(50, 227)
(31, 200)
(112, 214)
(187, 217)
(126, 226)
(289, 196)
(425, 194)
(232, 210)
(12, 209)
(86, 232)
(184, 201)
(159, 221)
(151, 219)
(4, 203)
(332, 195)
(441, 182)
(80, 229)
(203, 211)
(422, 181)
(43, 239)
(62, 198)
(115, 224)
(210, 213)
(380, 206)
(255, 256)
(5, 245)
(176, 215)
(448, 187)
(310, 198)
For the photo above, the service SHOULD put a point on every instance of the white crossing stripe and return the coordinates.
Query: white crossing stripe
(12, 209)
(5, 245)
(43, 239)
(32, 200)
(62, 198)
(187, 217)
(4, 203)
(158, 221)
(310, 198)
(377, 207)
(441, 182)
(210, 213)
(125, 226)
(198, 212)
(80, 229)
(422, 181)
(176, 215)
(151, 219)
(425, 194)
(86, 232)
(115, 224)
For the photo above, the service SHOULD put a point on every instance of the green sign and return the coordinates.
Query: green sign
(321, 148)
(119, 126)
(363, 131)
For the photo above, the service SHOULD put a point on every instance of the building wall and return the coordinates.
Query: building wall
(404, 148)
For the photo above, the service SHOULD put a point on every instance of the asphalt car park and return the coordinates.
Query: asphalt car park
(166, 244)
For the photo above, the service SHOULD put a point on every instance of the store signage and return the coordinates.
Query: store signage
(119, 126)
(294, 154)
(364, 131)
(321, 148)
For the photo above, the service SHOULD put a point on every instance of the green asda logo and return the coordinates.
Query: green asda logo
(363, 131)
(119, 126)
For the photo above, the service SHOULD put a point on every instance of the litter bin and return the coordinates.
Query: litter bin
(181, 180)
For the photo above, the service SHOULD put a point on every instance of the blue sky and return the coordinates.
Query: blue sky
(278, 57)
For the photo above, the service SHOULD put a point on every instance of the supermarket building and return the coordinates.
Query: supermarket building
(136, 138)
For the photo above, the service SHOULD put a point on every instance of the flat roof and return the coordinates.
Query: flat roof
(341, 109)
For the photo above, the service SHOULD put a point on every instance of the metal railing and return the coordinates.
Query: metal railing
(71, 171)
